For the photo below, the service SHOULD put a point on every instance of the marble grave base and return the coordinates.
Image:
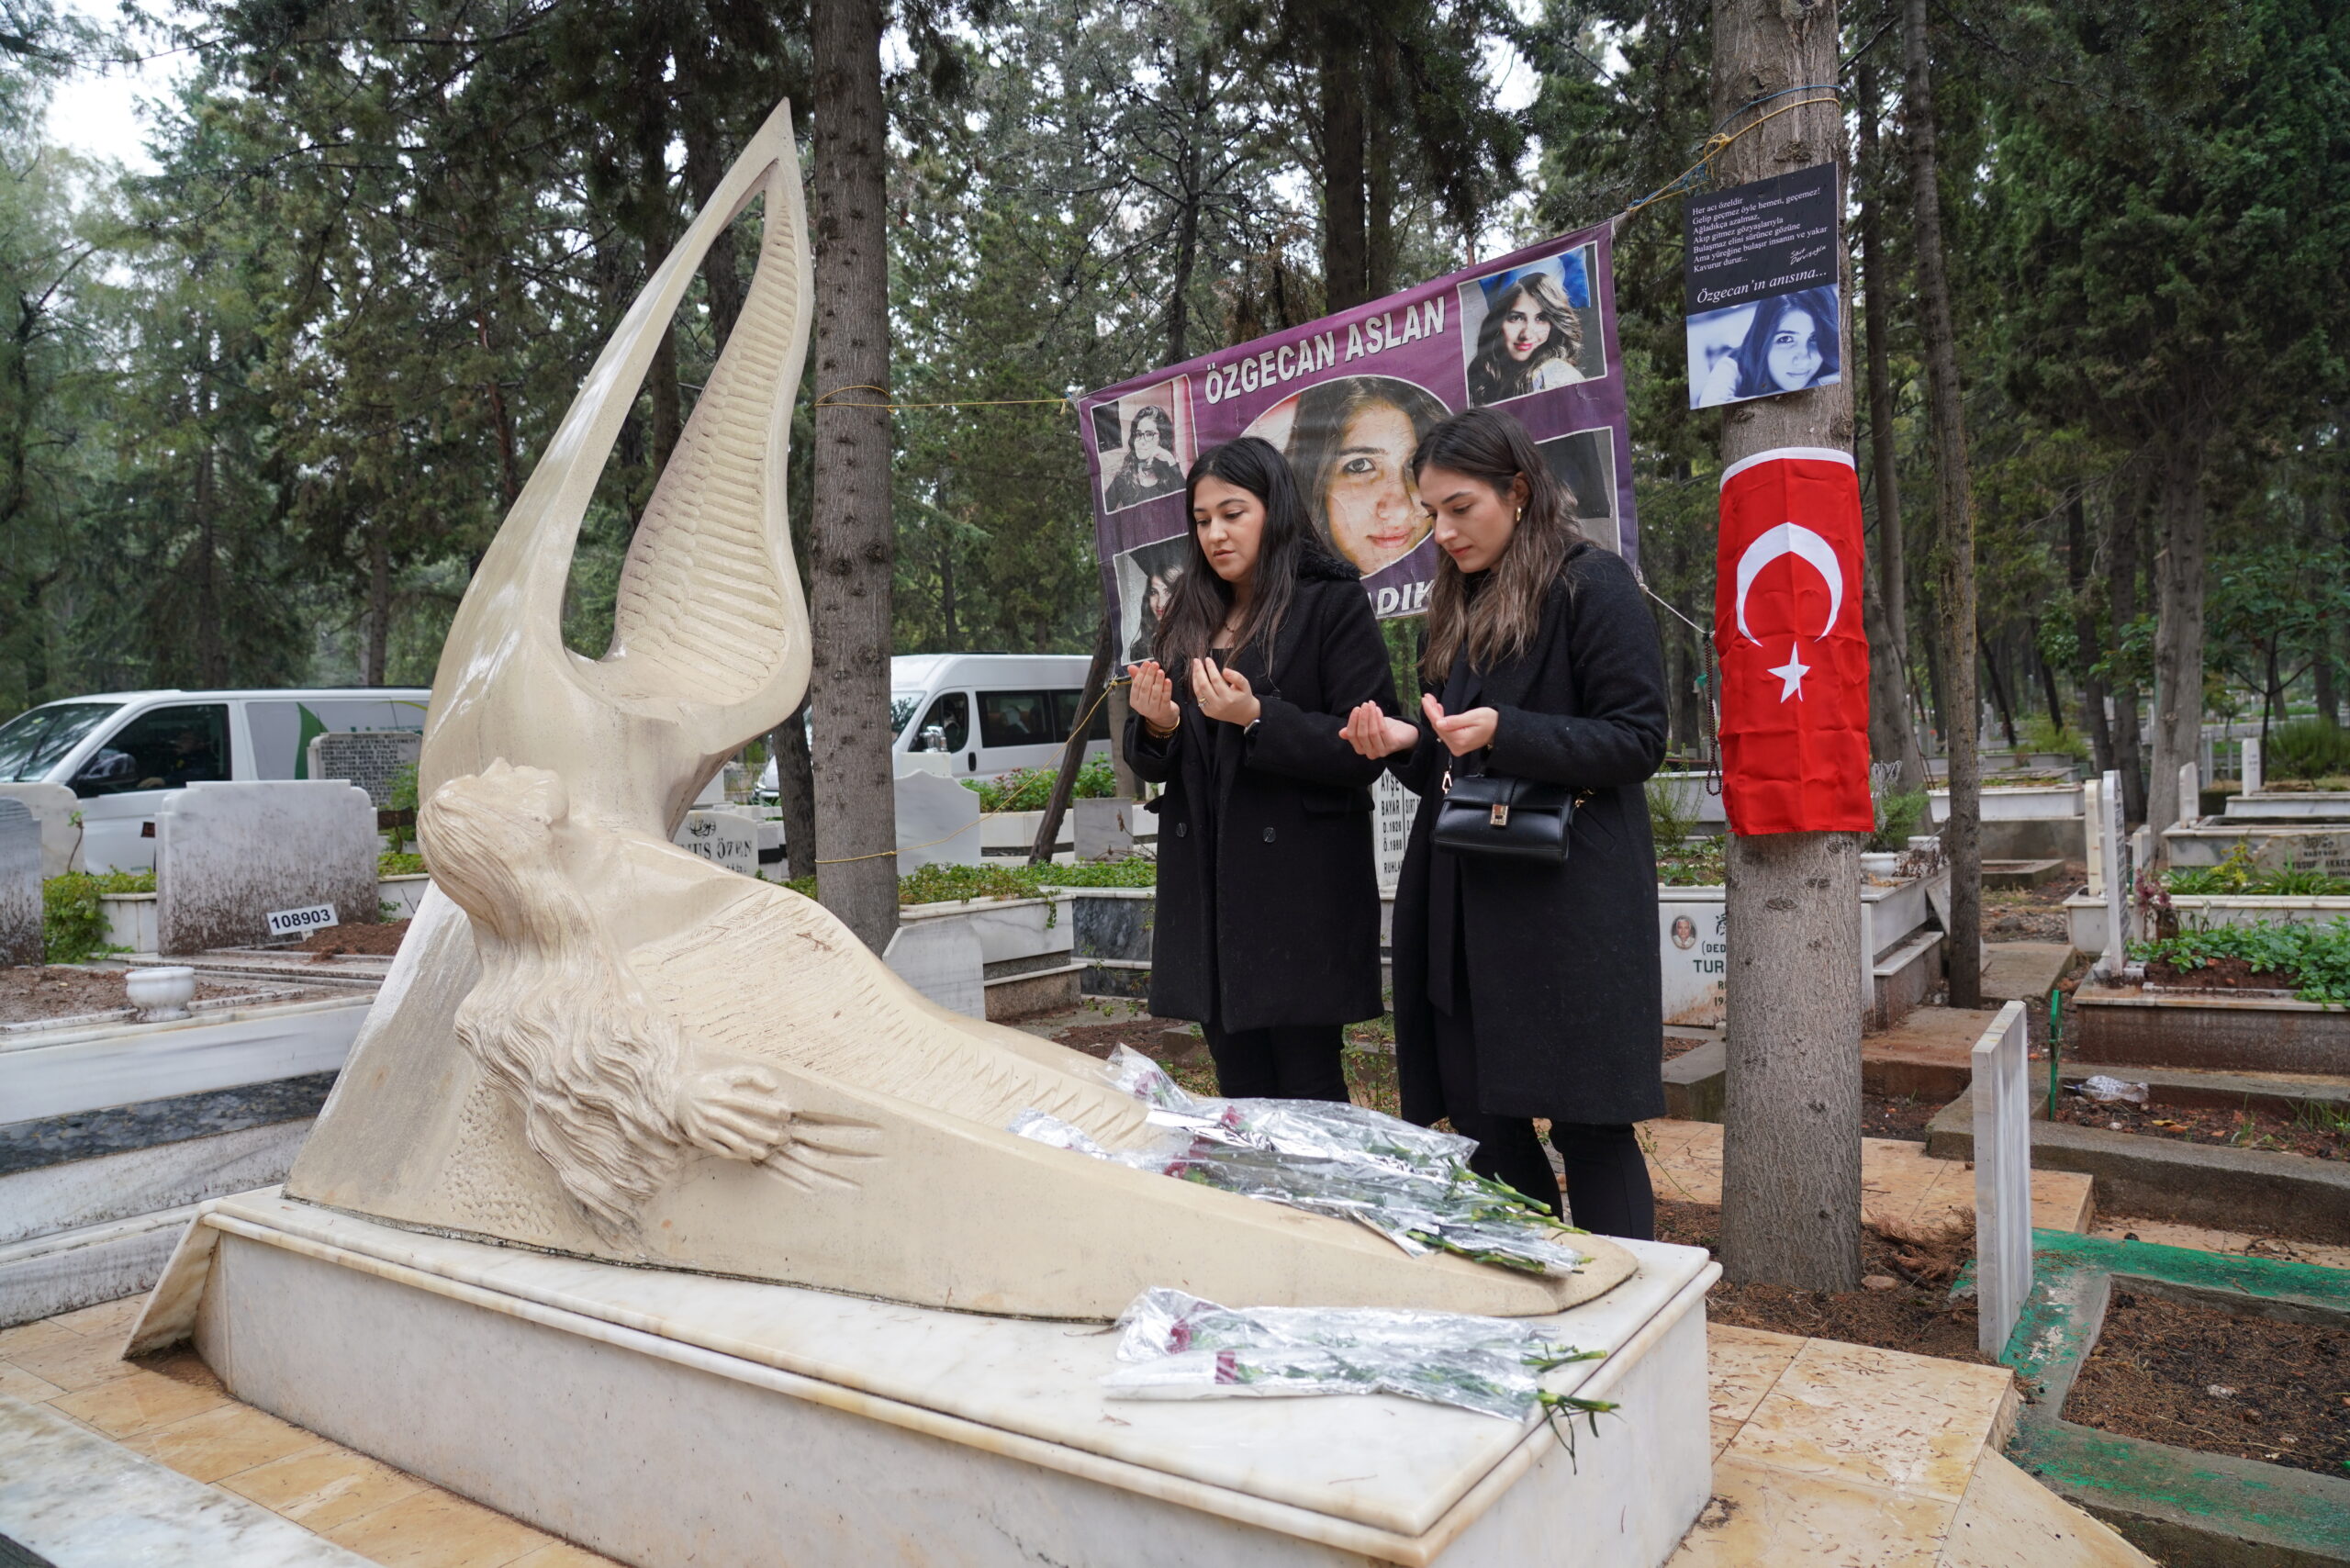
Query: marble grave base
(662, 1418)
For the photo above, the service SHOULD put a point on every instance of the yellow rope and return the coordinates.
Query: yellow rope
(1076, 735)
(1714, 146)
(825, 401)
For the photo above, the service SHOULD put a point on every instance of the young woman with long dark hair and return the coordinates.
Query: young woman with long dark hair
(1526, 989)
(1529, 341)
(1268, 913)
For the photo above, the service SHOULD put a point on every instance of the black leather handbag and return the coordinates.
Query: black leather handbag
(1521, 819)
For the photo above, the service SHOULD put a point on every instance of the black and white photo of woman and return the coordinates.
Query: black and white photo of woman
(1149, 469)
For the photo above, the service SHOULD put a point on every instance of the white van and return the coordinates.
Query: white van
(992, 712)
(122, 751)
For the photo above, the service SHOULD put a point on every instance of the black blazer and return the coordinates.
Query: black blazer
(1277, 922)
(1564, 981)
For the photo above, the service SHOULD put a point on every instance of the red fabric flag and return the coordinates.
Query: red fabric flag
(1794, 659)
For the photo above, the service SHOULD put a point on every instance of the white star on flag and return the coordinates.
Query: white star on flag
(1791, 673)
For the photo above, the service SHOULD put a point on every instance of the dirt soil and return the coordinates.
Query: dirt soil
(2196, 1377)
(1910, 1310)
(1370, 1067)
(1896, 1115)
(32, 992)
(2031, 914)
(2220, 974)
(357, 938)
(2312, 1133)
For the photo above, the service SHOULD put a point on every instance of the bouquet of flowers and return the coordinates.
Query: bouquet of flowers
(1177, 1346)
(1411, 1186)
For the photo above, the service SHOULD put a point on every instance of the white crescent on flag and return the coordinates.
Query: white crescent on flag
(1790, 538)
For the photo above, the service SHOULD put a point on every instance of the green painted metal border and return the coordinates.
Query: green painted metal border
(2154, 1492)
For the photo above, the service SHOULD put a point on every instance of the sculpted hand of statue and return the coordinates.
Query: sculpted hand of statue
(739, 1112)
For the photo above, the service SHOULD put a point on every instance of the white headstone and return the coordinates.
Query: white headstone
(228, 856)
(940, 957)
(373, 760)
(2252, 777)
(729, 837)
(938, 822)
(2093, 813)
(1693, 943)
(1396, 806)
(2002, 1177)
(2113, 852)
(2190, 794)
(20, 908)
(54, 807)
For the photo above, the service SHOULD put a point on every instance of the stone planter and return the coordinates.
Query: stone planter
(1025, 950)
(2198, 911)
(2307, 846)
(2289, 806)
(130, 921)
(2136, 1026)
(2025, 821)
(396, 897)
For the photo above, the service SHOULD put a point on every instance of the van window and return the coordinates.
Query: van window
(1065, 709)
(901, 709)
(161, 749)
(32, 742)
(951, 712)
(1016, 718)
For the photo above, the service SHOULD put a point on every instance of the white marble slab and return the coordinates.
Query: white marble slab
(76, 1193)
(83, 1502)
(1353, 1472)
(80, 1267)
(228, 853)
(64, 1071)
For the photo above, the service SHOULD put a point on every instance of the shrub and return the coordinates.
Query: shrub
(1702, 865)
(2240, 874)
(1667, 825)
(2306, 748)
(74, 928)
(1030, 788)
(1009, 879)
(394, 863)
(1898, 813)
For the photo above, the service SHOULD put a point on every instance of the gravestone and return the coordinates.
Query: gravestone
(1103, 830)
(2255, 779)
(373, 760)
(228, 856)
(938, 822)
(1396, 806)
(940, 958)
(54, 807)
(2002, 1097)
(727, 839)
(2120, 879)
(21, 856)
(2190, 794)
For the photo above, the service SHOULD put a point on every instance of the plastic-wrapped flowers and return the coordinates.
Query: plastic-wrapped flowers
(1411, 1186)
(1177, 1346)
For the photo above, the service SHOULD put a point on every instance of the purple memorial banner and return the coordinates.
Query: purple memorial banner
(1348, 397)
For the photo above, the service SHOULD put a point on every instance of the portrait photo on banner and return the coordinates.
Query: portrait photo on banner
(1782, 342)
(1146, 575)
(1350, 441)
(1532, 328)
(1145, 443)
(1584, 462)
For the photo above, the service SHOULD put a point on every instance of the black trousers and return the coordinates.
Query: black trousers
(1607, 1180)
(1298, 1061)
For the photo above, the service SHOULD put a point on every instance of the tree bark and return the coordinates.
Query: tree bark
(2048, 691)
(1791, 1156)
(794, 793)
(1379, 217)
(1345, 261)
(2179, 626)
(1892, 738)
(2084, 639)
(1097, 681)
(721, 271)
(1953, 514)
(2123, 551)
(851, 544)
(1999, 702)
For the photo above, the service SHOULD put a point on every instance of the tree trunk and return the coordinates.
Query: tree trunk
(379, 606)
(794, 793)
(2179, 626)
(2085, 640)
(1999, 689)
(1888, 664)
(1345, 262)
(2048, 691)
(2122, 552)
(1953, 515)
(1791, 1155)
(1097, 681)
(851, 544)
(1379, 221)
(2327, 639)
(721, 272)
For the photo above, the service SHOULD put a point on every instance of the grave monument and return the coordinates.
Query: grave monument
(598, 1048)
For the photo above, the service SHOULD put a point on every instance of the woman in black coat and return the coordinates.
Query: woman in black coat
(1268, 921)
(1528, 989)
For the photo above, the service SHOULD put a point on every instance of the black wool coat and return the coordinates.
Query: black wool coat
(1268, 908)
(1565, 988)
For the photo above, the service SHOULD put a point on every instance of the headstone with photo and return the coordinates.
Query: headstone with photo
(229, 855)
(373, 760)
(21, 902)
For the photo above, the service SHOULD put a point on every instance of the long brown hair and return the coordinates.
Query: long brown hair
(1201, 599)
(1500, 623)
(1494, 376)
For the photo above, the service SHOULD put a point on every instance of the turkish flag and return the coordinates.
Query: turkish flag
(1795, 722)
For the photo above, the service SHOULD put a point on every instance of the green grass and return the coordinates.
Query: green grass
(1029, 789)
(2239, 874)
(74, 928)
(1694, 865)
(2315, 958)
(394, 863)
(942, 884)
